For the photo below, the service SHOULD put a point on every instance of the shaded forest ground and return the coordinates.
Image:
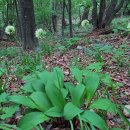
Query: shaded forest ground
(112, 50)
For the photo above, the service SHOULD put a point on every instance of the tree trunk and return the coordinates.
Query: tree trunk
(63, 17)
(1, 34)
(112, 10)
(85, 13)
(70, 17)
(19, 33)
(101, 13)
(27, 24)
(105, 16)
(7, 14)
(54, 16)
(94, 14)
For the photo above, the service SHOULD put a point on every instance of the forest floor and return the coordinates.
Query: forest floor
(117, 65)
(113, 50)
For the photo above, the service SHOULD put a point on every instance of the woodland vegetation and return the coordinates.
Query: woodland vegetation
(64, 64)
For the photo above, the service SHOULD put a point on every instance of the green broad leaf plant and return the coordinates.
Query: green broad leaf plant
(48, 98)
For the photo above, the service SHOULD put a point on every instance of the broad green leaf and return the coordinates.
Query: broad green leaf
(28, 87)
(9, 111)
(77, 74)
(69, 85)
(31, 120)
(94, 119)
(41, 101)
(92, 83)
(55, 95)
(44, 76)
(71, 111)
(104, 104)
(58, 77)
(24, 100)
(29, 78)
(54, 112)
(116, 129)
(77, 94)
(38, 85)
(64, 92)
(86, 72)
(3, 97)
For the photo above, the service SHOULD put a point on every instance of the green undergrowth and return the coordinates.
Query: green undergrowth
(48, 98)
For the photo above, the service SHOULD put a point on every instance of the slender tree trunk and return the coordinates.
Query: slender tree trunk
(54, 16)
(85, 13)
(27, 24)
(63, 18)
(19, 33)
(101, 13)
(70, 17)
(7, 15)
(94, 14)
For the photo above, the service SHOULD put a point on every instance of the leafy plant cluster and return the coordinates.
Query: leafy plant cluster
(74, 104)
(118, 54)
(28, 63)
(24, 62)
(97, 51)
(120, 25)
(9, 52)
(46, 49)
(68, 43)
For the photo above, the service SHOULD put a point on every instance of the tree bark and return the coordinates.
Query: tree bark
(19, 33)
(101, 13)
(70, 17)
(112, 10)
(94, 14)
(120, 5)
(27, 24)
(54, 16)
(63, 18)
(105, 16)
